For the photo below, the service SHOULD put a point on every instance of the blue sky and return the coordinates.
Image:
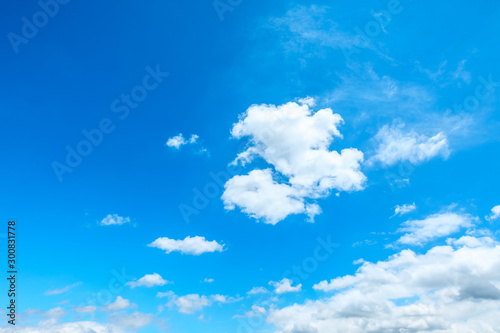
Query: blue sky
(162, 160)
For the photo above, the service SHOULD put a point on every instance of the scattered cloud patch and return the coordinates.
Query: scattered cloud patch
(207, 280)
(119, 304)
(62, 290)
(114, 219)
(419, 232)
(190, 245)
(258, 290)
(404, 209)
(192, 303)
(176, 142)
(285, 286)
(395, 146)
(148, 280)
(295, 142)
(495, 214)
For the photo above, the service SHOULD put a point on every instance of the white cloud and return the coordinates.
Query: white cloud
(194, 302)
(208, 280)
(49, 324)
(190, 245)
(114, 219)
(148, 280)
(62, 290)
(295, 141)
(285, 286)
(119, 304)
(448, 289)
(418, 232)
(178, 141)
(495, 213)
(404, 209)
(395, 146)
(258, 290)
(86, 309)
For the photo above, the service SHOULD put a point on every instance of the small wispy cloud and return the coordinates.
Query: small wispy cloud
(404, 209)
(62, 290)
(114, 219)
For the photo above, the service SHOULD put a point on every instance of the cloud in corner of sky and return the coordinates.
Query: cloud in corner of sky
(295, 142)
(390, 294)
(396, 146)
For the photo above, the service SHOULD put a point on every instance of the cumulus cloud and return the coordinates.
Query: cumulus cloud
(295, 142)
(447, 289)
(114, 219)
(404, 209)
(190, 245)
(285, 286)
(119, 304)
(395, 146)
(208, 280)
(418, 232)
(495, 214)
(148, 280)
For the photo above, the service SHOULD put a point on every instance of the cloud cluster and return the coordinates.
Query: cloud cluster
(295, 142)
(447, 289)
(179, 140)
(190, 245)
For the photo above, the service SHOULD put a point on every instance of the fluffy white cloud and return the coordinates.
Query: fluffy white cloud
(404, 209)
(261, 197)
(119, 304)
(448, 289)
(295, 141)
(395, 146)
(495, 213)
(114, 219)
(148, 280)
(285, 286)
(190, 245)
(208, 280)
(418, 232)
(179, 140)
